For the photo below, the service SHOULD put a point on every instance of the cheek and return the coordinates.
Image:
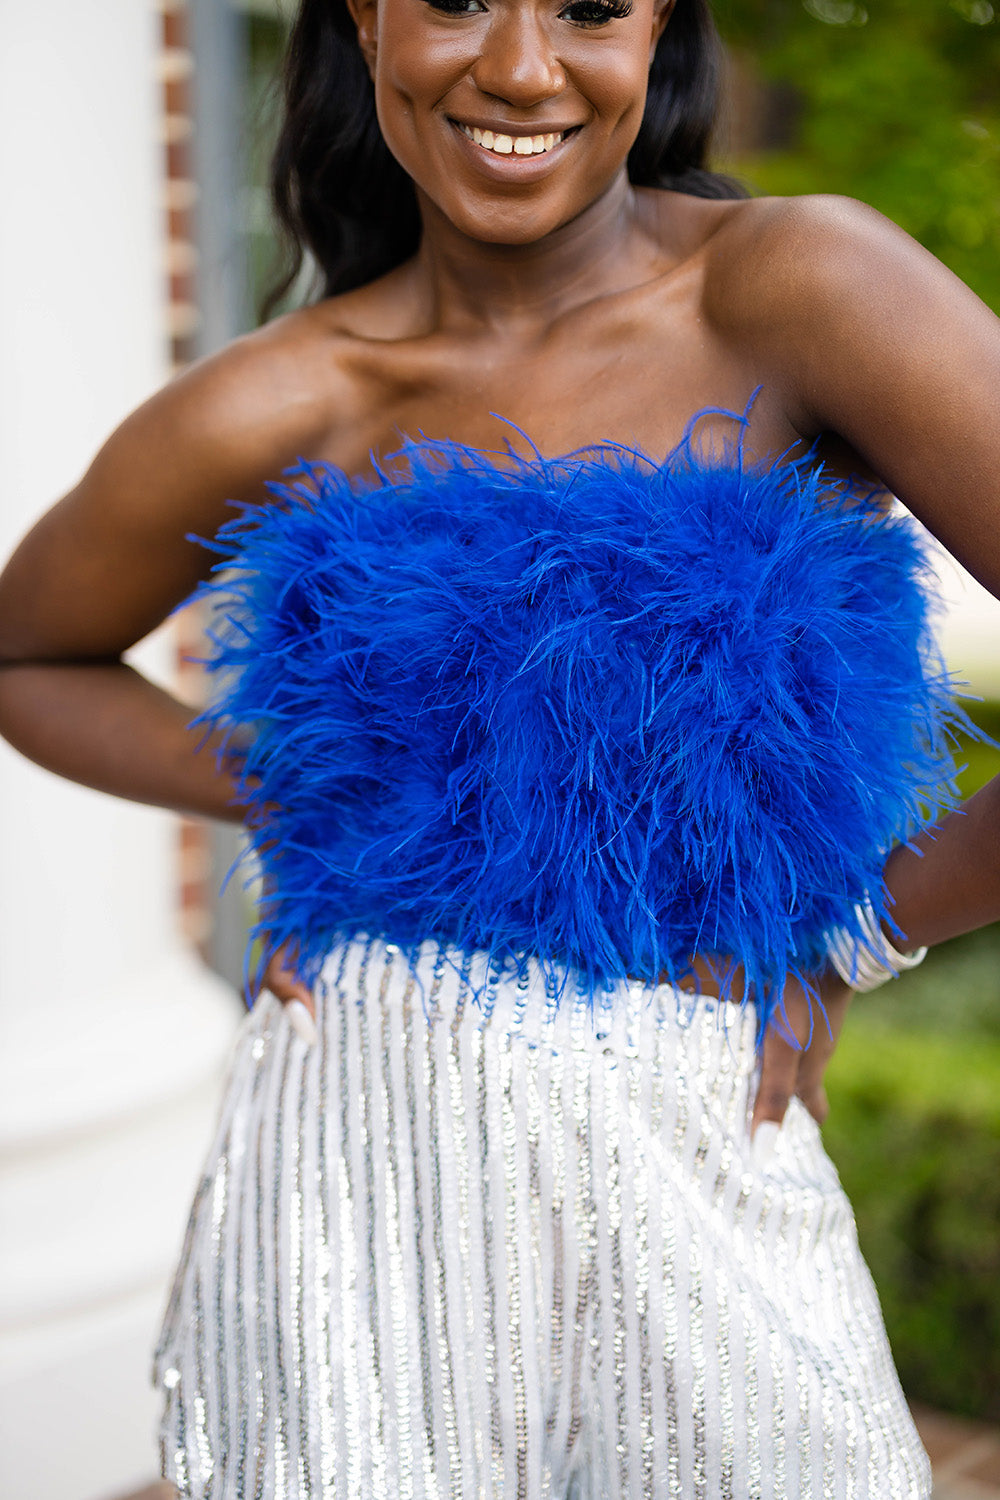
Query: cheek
(614, 84)
(416, 68)
(404, 103)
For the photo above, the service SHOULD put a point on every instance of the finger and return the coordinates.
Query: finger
(815, 1100)
(301, 1021)
(296, 999)
(779, 1075)
(293, 994)
(281, 976)
(812, 1068)
(286, 987)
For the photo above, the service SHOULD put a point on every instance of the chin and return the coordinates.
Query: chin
(509, 234)
(506, 223)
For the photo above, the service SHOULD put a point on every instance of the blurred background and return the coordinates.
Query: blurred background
(135, 237)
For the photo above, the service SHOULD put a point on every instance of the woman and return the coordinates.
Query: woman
(455, 1239)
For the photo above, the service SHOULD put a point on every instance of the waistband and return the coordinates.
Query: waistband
(542, 1007)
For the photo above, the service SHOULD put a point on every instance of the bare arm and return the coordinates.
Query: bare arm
(870, 338)
(105, 725)
(112, 559)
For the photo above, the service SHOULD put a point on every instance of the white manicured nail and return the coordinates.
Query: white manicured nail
(301, 1022)
(765, 1138)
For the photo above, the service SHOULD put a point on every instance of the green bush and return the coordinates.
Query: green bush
(980, 761)
(914, 1129)
(890, 101)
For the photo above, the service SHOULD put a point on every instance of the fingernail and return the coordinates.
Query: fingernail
(301, 1022)
(765, 1138)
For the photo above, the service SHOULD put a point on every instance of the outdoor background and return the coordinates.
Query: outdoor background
(134, 238)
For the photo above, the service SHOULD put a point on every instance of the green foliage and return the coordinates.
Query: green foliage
(980, 761)
(265, 42)
(894, 102)
(955, 992)
(914, 1129)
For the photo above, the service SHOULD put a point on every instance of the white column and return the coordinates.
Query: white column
(970, 631)
(113, 1035)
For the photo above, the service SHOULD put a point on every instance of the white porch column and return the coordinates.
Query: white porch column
(113, 1035)
(970, 631)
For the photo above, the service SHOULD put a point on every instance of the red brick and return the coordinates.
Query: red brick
(175, 28)
(177, 96)
(179, 224)
(182, 352)
(182, 287)
(178, 156)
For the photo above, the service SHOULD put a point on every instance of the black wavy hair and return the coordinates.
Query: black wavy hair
(340, 195)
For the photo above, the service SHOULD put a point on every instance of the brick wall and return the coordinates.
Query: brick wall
(176, 67)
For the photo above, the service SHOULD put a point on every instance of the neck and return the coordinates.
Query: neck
(496, 286)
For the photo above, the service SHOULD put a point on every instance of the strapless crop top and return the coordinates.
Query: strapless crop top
(600, 710)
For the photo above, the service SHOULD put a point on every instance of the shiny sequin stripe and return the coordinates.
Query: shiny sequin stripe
(192, 1449)
(324, 1381)
(477, 1245)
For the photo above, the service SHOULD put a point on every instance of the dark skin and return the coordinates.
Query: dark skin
(547, 290)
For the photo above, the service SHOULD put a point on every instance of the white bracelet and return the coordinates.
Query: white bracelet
(866, 961)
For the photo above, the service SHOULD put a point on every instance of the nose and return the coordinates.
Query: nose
(518, 62)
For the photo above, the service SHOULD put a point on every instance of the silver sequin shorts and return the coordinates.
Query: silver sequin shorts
(474, 1246)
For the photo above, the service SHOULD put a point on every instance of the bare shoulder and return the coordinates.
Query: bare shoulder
(274, 392)
(119, 543)
(298, 386)
(225, 427)
(778, 264)
(845, 318)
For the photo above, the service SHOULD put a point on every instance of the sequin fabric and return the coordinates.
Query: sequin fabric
(481, 1246)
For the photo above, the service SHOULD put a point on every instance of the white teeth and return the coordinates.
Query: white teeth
(512, 145)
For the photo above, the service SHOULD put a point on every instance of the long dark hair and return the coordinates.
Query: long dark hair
(340, 195)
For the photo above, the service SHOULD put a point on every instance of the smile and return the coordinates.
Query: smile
(512, 145)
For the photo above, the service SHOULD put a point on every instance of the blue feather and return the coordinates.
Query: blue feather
(597, 709)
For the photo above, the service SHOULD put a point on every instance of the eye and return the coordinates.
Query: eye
(595, 12)
(458, 7)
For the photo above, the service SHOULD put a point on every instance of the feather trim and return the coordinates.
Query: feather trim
(597, 709)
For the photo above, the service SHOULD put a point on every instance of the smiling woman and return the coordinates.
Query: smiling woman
(591, 744)
(338, 188)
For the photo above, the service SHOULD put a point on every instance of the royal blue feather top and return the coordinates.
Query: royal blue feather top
(597, 709)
